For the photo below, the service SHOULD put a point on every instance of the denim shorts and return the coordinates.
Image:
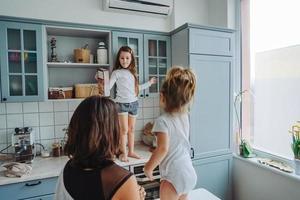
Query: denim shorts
(128, 108)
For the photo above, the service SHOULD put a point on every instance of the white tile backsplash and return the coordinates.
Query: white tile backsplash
(46, 119)
(140, 113)
(46, 106)
(61, 118)
(30, 107)
(10, 133)
(14, 120)
(148, 102)
(47, 144)
(47, 132)
(156, 112)
(59, 132)
(13, 108)
(61, 106)
(50, 117)
(2, 108)
(74, 104)
(37, 136)
(3, 136)
(31, 119)
(147, 113)
(139, 125)
(156, 102)
(2, 121)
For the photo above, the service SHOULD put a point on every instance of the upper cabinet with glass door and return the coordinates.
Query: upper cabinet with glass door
(157, 60)
(21, 62)
(152, 53)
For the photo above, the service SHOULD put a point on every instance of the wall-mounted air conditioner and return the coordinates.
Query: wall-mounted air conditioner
(158, 7)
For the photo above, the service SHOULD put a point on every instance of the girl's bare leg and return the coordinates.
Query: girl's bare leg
(123, 121)
(167, 191)
(131, 128)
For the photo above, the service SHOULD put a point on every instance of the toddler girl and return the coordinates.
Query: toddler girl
(172, 154)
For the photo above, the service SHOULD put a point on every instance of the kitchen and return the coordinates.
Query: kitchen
(69, 20)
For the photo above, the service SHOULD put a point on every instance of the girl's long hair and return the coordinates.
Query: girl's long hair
(132, 67)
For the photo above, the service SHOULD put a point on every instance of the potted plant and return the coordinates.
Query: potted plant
(245, 149)
(296, 146)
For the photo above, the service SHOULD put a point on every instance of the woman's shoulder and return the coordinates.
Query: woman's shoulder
(128, 190)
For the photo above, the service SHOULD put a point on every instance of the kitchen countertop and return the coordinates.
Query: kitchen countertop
(52, 166)
(201, 193)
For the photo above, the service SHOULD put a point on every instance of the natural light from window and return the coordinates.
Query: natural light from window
(275, 73)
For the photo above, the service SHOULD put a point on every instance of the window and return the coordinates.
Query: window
(271, 72)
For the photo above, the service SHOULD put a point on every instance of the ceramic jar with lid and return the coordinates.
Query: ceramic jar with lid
(102, 53)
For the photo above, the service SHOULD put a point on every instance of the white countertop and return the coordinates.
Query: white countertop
(201, 193)
(52, 166)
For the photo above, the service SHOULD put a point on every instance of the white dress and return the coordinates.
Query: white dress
(177, 166)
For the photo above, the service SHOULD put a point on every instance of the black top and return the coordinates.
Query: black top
(100, 183)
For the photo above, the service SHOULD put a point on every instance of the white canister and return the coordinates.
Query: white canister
(102, 53)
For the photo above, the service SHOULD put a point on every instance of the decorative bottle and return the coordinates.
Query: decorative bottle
(102, 53)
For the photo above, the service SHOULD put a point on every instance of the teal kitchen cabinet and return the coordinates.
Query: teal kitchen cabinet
(214, 174)
(210, 53)
(157, 54)
(37, 189)
(210, 116)
(152, 53)
(21, 59)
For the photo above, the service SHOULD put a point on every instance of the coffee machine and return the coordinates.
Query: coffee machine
(22, 141)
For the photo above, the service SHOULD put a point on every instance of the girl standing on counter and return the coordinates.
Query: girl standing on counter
(124, 76)
(178, 177)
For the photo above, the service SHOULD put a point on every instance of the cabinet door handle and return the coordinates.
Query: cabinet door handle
(192, 152)
(33, 184)
(147, 95)
(4, 99)
(141, 95)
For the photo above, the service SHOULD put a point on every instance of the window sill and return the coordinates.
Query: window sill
(254, 161)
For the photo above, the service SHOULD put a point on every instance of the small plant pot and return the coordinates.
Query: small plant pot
(297, 166)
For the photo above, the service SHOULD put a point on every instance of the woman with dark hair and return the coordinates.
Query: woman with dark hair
(93, 140)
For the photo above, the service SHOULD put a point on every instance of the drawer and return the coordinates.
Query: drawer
(44, 197)
(28, 189)
(209, 42)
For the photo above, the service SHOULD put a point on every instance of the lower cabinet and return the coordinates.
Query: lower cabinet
(214, 174)
(42, 189)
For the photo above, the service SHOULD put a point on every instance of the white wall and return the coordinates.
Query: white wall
(79, 11)
(202, 12)
(217, 12)
(253, 182)
(195, 11)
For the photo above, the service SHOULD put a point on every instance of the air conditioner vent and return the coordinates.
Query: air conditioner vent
(158, 7)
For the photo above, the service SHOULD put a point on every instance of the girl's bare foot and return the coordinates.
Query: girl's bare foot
(123, 157)
(133, 155)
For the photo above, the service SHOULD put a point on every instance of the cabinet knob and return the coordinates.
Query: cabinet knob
(147, 95)
(141, 95)
(4, 99)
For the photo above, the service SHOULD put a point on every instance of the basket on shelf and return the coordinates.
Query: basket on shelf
(60, 92)
(86, 90)
(82, 55)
